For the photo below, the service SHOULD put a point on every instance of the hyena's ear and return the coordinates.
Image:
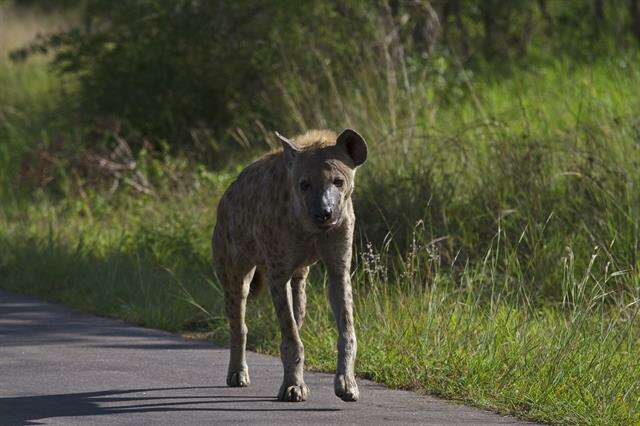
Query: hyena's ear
(354, 144)
(289, 149)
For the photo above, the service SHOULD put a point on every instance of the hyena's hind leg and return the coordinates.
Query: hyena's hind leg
(236, 290)
(299, 295)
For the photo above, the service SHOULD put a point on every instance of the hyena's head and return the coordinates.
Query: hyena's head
(322, 175)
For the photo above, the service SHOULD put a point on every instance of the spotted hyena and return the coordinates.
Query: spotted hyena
(285, 212)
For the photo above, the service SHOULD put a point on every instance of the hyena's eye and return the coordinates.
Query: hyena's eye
(338, 182)
(304, 185)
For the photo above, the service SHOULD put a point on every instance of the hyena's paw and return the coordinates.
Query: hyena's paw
(293, 393)
(238, 378)
(346, 388)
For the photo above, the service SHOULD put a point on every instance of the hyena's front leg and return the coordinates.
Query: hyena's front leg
(337, 259)
(293, 388)
(341, 300)
(298, 293)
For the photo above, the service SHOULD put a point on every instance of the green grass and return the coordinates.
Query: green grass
(497, 260)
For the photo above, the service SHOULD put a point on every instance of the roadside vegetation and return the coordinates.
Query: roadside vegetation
(497, 256)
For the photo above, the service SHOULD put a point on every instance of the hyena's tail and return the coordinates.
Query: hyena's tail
(257, 283)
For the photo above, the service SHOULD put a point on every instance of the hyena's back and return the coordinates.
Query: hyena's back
(252, 215)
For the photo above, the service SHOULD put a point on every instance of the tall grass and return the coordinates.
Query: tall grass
(548, 157)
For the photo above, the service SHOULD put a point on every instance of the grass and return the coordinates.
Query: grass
(498, 239)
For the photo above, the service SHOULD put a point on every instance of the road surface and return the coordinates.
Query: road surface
(58, 366)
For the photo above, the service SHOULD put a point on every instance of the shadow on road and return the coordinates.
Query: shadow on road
(28, 409)
(32, 323)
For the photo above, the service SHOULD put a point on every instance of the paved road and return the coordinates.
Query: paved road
(61, 367)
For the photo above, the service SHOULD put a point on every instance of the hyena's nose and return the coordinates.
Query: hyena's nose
(323, 216)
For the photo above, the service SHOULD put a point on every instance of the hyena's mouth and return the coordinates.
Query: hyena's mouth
(328, 225)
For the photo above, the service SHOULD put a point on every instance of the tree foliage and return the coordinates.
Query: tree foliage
(169, 68)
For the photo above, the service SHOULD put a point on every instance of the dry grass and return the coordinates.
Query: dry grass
(20, 26)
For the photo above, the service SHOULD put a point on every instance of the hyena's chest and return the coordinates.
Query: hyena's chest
(287, 244)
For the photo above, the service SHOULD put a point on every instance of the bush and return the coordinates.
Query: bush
(168, 68)
(197, 72)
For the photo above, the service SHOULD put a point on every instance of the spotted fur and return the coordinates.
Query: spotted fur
(268, 222)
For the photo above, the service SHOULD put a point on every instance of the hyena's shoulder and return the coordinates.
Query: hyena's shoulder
(257, 184)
